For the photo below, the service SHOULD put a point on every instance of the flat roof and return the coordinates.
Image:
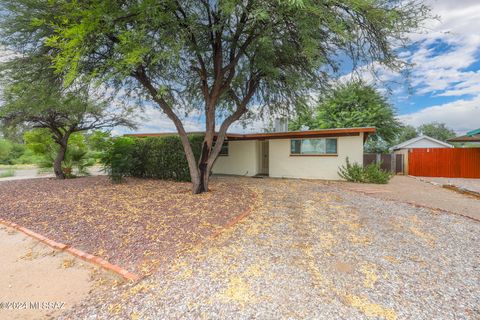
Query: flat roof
(334, 132)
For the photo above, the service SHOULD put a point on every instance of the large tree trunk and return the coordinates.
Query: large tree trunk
(57, 164)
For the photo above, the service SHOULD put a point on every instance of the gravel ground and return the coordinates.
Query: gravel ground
(314, 250)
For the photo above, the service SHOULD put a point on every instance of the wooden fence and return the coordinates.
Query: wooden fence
(444, 162)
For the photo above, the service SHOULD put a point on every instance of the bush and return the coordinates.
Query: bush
(372, 173)
(158, 158)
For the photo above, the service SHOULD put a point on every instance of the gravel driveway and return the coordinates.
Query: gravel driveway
(313, 250)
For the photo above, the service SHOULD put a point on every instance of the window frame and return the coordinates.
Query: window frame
(225, 145)
(315, 154)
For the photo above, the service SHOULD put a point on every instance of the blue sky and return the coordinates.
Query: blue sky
(444, 85)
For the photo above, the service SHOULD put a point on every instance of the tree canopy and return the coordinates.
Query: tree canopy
(353, 104)
(34, 96)
(218, 57)
(437, 130)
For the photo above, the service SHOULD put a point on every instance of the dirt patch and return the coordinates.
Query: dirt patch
(138, 224)
(36, 281)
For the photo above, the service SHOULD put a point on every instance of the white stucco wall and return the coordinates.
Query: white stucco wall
(283, 165)
(243, 159)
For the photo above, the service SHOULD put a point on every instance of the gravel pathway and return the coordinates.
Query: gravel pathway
(313, 250)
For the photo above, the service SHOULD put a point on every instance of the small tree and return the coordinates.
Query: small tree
(217, 57)
(34, 96)
(437, 130)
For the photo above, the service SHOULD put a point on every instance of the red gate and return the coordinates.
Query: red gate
(444, 162)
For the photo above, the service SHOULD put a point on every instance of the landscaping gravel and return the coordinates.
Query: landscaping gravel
(313, 250)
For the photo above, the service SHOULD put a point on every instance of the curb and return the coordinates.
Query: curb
(74, 251)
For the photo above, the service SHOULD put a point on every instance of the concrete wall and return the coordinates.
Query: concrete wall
(283, 165)
(243, 159)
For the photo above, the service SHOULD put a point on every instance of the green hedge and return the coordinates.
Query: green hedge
(158, 157)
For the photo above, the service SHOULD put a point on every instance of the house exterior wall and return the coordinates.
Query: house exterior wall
(243, 159)
(405, 159)
(283, 165)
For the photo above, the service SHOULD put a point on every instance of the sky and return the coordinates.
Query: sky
(444, 83)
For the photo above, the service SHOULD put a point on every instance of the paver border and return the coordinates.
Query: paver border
(74, 251)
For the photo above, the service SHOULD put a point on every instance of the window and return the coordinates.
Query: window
(313, 146)
(224, 150)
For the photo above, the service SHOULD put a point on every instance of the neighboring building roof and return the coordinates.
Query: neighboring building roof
(336, 132)
(466, 138)
(411, 143)
(473, 132)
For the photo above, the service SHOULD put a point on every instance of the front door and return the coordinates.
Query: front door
(265, 157)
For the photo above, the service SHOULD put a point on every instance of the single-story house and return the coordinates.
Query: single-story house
(470, 137)
(312, 154)
(417, 142)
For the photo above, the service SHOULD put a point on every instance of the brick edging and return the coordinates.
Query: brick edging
(235, 220)
(74, 251)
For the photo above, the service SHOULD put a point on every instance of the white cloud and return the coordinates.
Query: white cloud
(461, 115)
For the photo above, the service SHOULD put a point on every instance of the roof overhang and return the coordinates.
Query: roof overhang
(302, 134)
(322, 133)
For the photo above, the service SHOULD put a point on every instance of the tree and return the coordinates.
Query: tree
(407, 132)
(437, 131)
(218, 57)
(34, 96)
(356, 104)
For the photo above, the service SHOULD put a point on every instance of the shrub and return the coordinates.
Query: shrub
(374, 174)
(118, 158)
(371, 173)
(156, 157)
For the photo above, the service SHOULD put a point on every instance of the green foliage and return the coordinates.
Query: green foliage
(158, 157)
(119, 159)
(10, 152)
(5, 150)
(437, 131)
(406, 133)
(357, 104)
(374, 174)
(41, 143)
(7, 173)
(351, 172)
(371, 173)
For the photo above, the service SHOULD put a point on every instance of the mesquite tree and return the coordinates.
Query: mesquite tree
(35, 97)
(218, 57)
